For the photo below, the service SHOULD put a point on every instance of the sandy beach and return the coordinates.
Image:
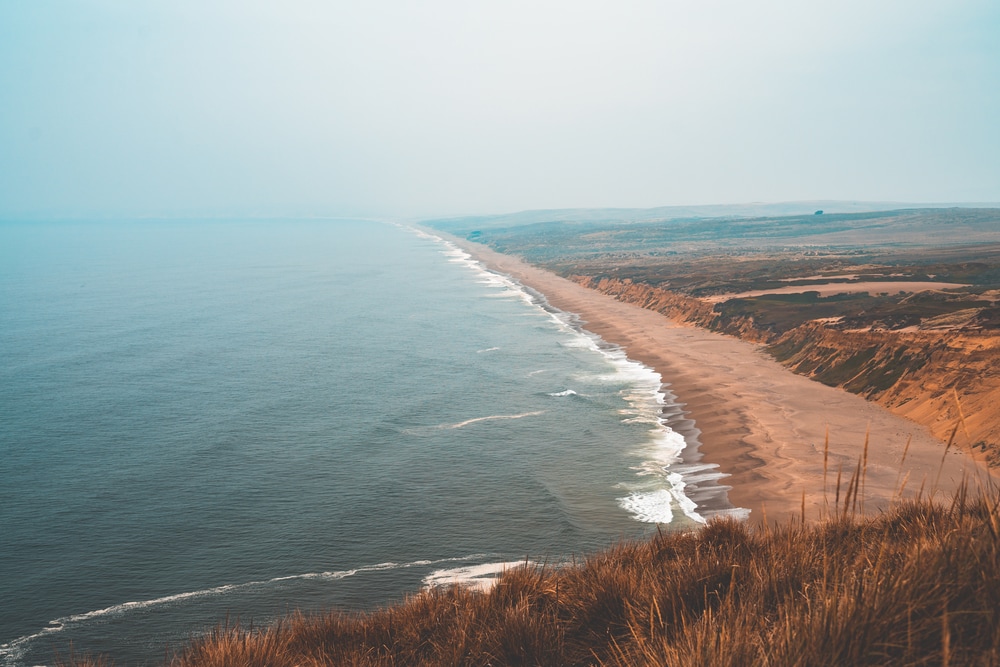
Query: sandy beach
(762, 424)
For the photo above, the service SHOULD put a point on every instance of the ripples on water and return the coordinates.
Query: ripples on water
(202, 419)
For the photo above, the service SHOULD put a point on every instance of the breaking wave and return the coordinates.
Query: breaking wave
(667, 490)
(11, 652)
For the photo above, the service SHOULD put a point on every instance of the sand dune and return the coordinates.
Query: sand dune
(829, 289)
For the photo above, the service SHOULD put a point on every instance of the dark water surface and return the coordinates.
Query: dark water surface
(209, 418)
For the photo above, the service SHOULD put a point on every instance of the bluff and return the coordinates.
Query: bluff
(938, 378)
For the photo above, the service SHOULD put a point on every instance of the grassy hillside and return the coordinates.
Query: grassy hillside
(917, 585)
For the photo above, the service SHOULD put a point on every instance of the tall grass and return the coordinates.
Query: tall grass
(916, 585)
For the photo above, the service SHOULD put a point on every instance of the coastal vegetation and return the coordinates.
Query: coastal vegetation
(916, 585)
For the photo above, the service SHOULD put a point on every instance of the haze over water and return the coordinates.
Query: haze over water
(209, 418)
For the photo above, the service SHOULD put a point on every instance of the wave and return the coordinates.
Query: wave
(663, 451)
(508, 286)
(642, 389)
(428, 430)
(658, 506)
(651, 507)
(476, 420)
(567, 392)
(488, 349)
(477, 577)
(11, 652)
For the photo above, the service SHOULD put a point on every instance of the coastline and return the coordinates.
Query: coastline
(762, 424)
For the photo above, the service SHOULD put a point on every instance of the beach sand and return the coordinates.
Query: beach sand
(762, 424)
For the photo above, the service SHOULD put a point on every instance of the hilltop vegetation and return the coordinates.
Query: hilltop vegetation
(917, 585)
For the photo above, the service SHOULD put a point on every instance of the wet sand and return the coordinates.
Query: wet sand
(764, 425)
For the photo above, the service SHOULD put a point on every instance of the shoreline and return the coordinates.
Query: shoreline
(762, 424)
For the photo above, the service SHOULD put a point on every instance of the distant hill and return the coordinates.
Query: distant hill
(573, 240)
(462, 225)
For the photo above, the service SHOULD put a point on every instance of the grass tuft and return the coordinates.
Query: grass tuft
(916, 585)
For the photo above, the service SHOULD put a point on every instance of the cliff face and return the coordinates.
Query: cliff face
(939, 378)
(936, 378)
(678, 307)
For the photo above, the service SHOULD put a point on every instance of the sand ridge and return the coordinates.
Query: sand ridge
(829, 289)
(763, 424)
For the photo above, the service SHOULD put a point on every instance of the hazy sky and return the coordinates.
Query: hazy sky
(191, 107)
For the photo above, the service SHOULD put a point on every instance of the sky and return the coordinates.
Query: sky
(451, 107)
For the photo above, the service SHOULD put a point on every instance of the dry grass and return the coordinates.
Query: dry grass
(917, 585)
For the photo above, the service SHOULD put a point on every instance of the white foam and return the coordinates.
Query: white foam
(661, 455)
(424, 431)
(477, 577)
(688, 506)
(488, 349)
(567, 392)
(658, 506)
(695, 473)
(455, 255)
(581, 342)
(666, 446)
(651, 507)
(643, 392)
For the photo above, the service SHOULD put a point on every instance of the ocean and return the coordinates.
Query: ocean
(209, 422)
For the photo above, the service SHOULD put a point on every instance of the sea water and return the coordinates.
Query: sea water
(205, 422)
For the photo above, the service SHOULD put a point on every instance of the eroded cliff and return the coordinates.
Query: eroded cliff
(942, 378)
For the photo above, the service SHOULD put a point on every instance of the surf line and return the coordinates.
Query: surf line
(12, 651)
(651, 507)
